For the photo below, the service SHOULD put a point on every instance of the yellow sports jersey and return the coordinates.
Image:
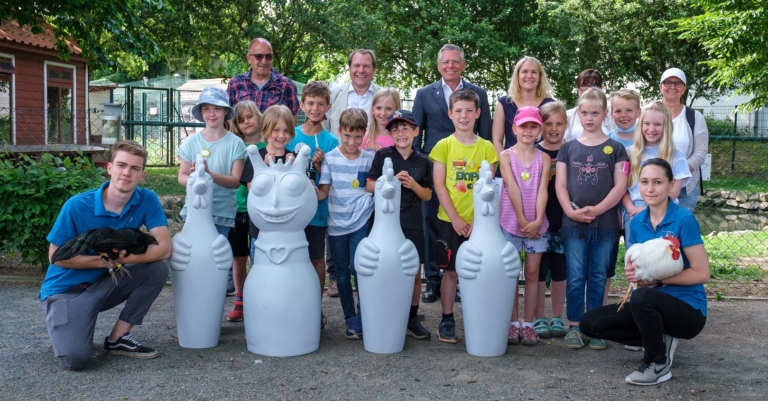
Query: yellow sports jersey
(462, 169)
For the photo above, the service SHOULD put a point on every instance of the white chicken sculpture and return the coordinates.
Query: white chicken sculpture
(199, 264)
(488, 267)
(386, 262)
(655, 259)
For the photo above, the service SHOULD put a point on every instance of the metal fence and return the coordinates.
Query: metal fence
(732, 210)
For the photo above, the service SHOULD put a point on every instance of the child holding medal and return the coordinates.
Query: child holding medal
(342, 180)
(224, 155)
(589, 183)
(522, 213)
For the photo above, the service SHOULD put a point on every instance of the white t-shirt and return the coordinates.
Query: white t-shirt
(680, 170)
(575, 129)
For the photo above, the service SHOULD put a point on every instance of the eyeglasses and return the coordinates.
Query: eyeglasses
(587, 86)
(676, 84)
(260, 57)
(451, 62)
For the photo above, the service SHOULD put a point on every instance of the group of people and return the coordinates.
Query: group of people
(571, 182)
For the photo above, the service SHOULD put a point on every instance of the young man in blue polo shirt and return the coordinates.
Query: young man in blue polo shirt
(76, 290)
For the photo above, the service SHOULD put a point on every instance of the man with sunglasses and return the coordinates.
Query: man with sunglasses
(262, 84)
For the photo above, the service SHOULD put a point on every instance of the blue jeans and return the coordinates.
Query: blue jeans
(687, 200)
(343, 248)
(586, 263)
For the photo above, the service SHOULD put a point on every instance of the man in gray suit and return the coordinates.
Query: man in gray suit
(430, 107)
(358, 92)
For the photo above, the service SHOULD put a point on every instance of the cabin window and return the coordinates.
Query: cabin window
(60, 103)
(6, 99)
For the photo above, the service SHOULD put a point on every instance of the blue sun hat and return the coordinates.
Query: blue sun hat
(213, 96)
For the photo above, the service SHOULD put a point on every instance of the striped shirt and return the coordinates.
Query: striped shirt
(529, 192)
(349, 205)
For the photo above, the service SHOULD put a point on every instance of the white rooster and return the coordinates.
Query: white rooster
(654, 259)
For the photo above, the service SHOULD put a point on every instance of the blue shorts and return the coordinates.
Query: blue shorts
(529, 245)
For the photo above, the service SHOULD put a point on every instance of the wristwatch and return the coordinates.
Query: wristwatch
(659, 283)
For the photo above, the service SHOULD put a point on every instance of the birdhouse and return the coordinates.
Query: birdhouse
(110, 123)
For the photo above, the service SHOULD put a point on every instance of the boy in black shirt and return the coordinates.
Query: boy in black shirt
(414, 171)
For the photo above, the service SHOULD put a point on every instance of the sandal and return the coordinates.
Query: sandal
(541, 328)
(557, 327)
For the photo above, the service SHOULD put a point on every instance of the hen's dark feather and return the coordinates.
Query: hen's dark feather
(105, 240)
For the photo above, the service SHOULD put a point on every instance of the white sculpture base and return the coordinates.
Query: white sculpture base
(486, 302)
(281, 304)
(199, 294)
(385, 301)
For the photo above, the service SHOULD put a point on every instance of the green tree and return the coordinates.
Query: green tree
(494, 34)
(628, 42)
(735, 34)
(89, 22)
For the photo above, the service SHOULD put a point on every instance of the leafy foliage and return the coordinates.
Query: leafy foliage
(33, 193)
(734, 34)
(90, 23)
(630, 42)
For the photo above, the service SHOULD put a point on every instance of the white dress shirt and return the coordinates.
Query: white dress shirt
(447, 91)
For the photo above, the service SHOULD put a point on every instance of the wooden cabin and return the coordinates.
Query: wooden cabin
(43, 99)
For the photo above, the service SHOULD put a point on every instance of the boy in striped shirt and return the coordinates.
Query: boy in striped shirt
(342, 180)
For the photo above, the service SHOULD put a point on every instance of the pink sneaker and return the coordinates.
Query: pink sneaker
(529, 336)
(514, 335)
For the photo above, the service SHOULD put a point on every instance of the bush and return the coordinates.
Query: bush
(33, 193)
(717, 126)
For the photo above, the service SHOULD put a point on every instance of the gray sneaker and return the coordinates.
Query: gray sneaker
(649, 374)
(573, 339)
(670, 344)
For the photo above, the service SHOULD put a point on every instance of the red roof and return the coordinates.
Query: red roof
(12, 32)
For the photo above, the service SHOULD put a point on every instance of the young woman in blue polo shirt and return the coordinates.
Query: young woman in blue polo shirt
(660, 312)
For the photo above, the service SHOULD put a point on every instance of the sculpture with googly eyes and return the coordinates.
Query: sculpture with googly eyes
(199, 265)
(281, 297)
(488, 266)
(386, 263)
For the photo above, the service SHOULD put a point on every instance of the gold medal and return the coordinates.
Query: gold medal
(355, 183)
(205, 153)
(525, 175)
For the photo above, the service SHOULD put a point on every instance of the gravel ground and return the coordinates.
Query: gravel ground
(730, 358)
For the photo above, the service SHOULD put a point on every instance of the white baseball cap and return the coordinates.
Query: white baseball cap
(673, 72)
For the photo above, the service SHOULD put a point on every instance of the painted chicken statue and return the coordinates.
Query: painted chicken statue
(654, 259)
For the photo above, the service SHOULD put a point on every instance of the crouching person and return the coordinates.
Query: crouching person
(75, 290)
(662, 311)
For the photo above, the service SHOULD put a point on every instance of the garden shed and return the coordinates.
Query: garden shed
(43, 99)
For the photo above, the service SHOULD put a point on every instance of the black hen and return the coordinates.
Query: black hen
(106, 240)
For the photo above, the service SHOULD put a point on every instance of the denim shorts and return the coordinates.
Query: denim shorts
(529, 245)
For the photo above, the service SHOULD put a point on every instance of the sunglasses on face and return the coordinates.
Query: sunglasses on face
(676, 84)
(587, 86)
(260, 57)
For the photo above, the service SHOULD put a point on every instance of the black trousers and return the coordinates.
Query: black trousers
(643, 321)
(431, 229)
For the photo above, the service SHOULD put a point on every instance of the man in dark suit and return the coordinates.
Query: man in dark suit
(430, 107)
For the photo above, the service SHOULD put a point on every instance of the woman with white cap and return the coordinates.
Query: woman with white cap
(690, 133)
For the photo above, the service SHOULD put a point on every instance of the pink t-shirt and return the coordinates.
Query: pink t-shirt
(529, 191)
(384, 141)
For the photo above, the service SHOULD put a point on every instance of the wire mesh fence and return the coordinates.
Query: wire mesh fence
(732, 209)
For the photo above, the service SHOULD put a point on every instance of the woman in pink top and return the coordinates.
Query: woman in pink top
(523, 219)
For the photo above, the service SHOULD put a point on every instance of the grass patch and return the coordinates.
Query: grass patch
(749, 249)
(164, 181)
(743, 184)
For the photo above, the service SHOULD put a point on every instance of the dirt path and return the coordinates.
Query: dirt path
(729, 359)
